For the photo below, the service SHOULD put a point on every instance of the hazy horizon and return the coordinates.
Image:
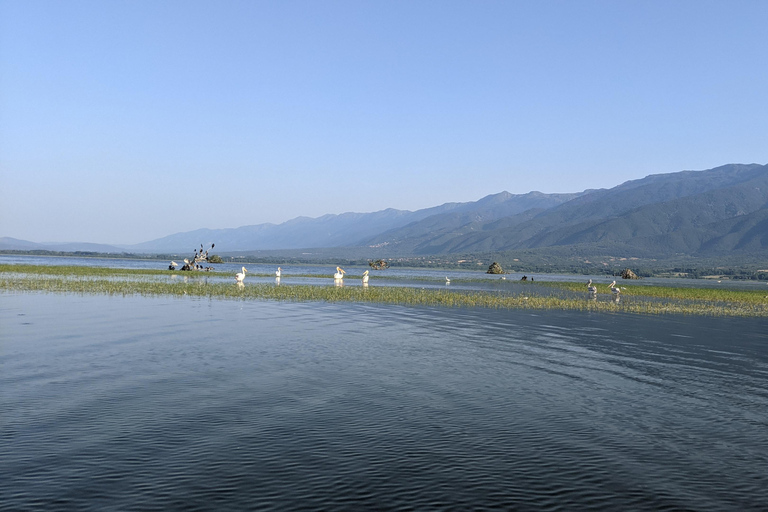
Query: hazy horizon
(123, 122)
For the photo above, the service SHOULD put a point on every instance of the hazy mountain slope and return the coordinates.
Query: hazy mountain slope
(686, 213)
(625, 216)
(347, 229)
(469, 217)
(741, 234)
(14, 244)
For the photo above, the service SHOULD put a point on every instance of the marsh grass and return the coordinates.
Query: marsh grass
(672, 292)
(639, 299)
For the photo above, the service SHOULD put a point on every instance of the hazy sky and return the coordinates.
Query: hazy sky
(121, 122)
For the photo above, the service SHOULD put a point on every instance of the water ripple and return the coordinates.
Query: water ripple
(160, 404)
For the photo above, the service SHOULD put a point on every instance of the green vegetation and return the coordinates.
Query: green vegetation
(571, 296)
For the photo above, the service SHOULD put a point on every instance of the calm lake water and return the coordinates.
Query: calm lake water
(132, 403)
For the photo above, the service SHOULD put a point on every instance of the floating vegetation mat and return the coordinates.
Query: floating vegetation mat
(635, 299)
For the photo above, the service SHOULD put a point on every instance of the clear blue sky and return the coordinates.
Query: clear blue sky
(125, 121)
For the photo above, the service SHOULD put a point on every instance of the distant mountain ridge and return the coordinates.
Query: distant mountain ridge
(699, 213)
(346, 229)
(678, 213)
(14, 244)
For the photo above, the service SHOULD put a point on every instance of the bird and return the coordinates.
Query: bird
(172, 266)
(590, 287)
(615, 289)
(339, 273)
(365, 277)
(447, 281)
(278, 272)
(240, 276)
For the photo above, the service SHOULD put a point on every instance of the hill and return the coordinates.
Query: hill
(721, 213)
(701, 213)
(347, 229)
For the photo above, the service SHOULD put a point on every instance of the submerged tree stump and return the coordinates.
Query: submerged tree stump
(495, 268)
(378, 265)
(628, 274)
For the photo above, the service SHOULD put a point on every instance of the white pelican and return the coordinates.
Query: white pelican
(278, 272)
(591, 288)
(365, 277)
(339, 273)
(614, 289)
(447, 281)
(240, 276)
(172, 266)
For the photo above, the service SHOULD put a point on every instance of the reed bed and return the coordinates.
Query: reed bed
(640, 299)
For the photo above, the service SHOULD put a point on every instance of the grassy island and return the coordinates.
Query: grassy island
(545, 295)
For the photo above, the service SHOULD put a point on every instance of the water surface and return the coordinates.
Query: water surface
(132, 403)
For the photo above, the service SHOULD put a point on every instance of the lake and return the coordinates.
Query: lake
(136, 403)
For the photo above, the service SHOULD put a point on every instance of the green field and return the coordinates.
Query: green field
(640, 299)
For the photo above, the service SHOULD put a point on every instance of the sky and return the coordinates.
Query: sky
(126, 121)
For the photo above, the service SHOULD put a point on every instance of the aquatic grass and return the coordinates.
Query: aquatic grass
(98, 281)
(670, 292)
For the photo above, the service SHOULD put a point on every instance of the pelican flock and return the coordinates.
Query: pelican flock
(240, 276)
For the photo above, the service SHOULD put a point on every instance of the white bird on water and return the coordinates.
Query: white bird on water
(447, 281)
(591, 288)
(365, 277)
(615, 289)
(240, 276)
(339, 273)
(278, 272)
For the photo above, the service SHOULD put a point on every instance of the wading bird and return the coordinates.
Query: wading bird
(278, 272)
(591, 288)
(447, 281)
(172, 266)
(339, 273)
(615, 290)
(365, 277)
(240, 276)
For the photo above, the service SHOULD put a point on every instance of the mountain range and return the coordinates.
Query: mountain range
(697, 213)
